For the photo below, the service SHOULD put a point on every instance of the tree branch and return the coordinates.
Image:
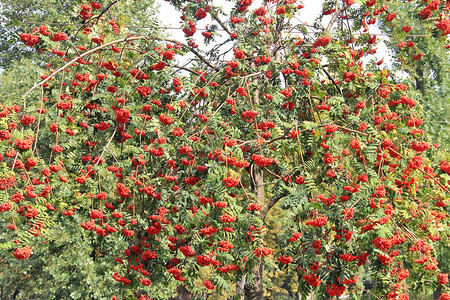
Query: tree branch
(184, 68)
(195, 52)
(332, 80)
(334, 19)
(222, 24)
(271, 204)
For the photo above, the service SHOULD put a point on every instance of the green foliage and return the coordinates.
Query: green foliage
(69, 263)
(429, 76)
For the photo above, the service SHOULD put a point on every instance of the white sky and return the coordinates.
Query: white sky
(171, 18)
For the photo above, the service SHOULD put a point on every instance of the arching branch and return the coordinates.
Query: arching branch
(130, 38)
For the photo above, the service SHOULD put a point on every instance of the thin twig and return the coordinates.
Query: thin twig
(104, 148)
(39, 119)
(332, 80)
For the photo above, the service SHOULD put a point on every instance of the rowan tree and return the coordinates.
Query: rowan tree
(185, 161)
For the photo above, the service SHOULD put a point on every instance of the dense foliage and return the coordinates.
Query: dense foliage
(284, 149)
(429, 76)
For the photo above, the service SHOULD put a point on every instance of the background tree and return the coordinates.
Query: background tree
(430, 75)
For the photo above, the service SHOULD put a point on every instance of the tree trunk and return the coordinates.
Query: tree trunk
(437, 293)
(420, 84)
(256, 291)
(183, 293)
(240, 287)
